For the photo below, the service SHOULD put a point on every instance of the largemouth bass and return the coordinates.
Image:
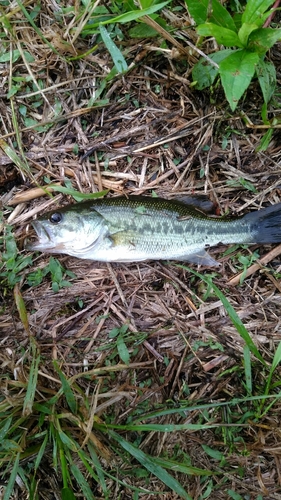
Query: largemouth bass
(138, 228)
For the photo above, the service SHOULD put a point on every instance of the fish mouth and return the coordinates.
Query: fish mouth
(43, 238)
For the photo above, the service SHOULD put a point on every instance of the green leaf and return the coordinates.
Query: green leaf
(13, 90)
(266, 74)
(9, 488)
(112, 48)
(67, 494)
(204, 73)
(265, 141)
(83, 484)
(123, 350)
(263, 39)
(41, 452)
(142, 30)
(67, 390)
(32, 379)
(14, 56)
(245, 31)
(132, 15)
(182, 467)
(275, 363)
(237, 71)
(216, 454)
(76, 194)
(150, 465)
(224, 36)
(67, 441)
(5, 428)
(213, 11)
(254, 11)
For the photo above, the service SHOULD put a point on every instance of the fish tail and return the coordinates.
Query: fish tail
(265, 224)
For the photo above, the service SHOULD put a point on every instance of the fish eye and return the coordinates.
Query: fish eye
(56, 218)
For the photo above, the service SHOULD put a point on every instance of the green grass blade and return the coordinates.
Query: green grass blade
(99, 471)
(117, 56)
(36, 29)
(84, 485)
(248, 369)
(41, 452)
(14, 157)
(32, 379)
(5, 428)
(180, 467)
(152, 466)
(240, 327)
(76, 194)
(275, 363)
(130, 16)
(67, 494)
(67, 390)
(12, 479)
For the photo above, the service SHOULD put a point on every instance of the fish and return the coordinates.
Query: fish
(140, 228)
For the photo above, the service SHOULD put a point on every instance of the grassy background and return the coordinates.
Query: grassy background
(142, 380)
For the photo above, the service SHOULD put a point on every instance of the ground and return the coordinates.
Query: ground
(133, 380)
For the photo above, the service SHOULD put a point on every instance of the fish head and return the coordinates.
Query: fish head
(69, 230)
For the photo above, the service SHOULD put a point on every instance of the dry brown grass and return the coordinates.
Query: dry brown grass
(153, 132)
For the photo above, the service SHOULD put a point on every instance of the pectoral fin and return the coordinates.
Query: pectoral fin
(202, 258)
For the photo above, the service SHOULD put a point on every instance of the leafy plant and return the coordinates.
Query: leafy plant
(12, 262)
(249, 42)
(57, 272)
(54, 420)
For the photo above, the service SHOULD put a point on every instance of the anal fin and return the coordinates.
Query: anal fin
(202, 258)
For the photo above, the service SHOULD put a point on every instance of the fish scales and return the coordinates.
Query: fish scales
(135, 228)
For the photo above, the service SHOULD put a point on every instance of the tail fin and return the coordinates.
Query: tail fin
(265, 224)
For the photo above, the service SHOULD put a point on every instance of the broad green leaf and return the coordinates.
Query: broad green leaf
(15, 55)
(150, 465)
(210, 10)
(266, 74)
(237, 71)
(245, 31)
(67, 494)
(112, 48)
(123, 350)
(224, 36)
(204, 73)
(263, 39)
(254, 11)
